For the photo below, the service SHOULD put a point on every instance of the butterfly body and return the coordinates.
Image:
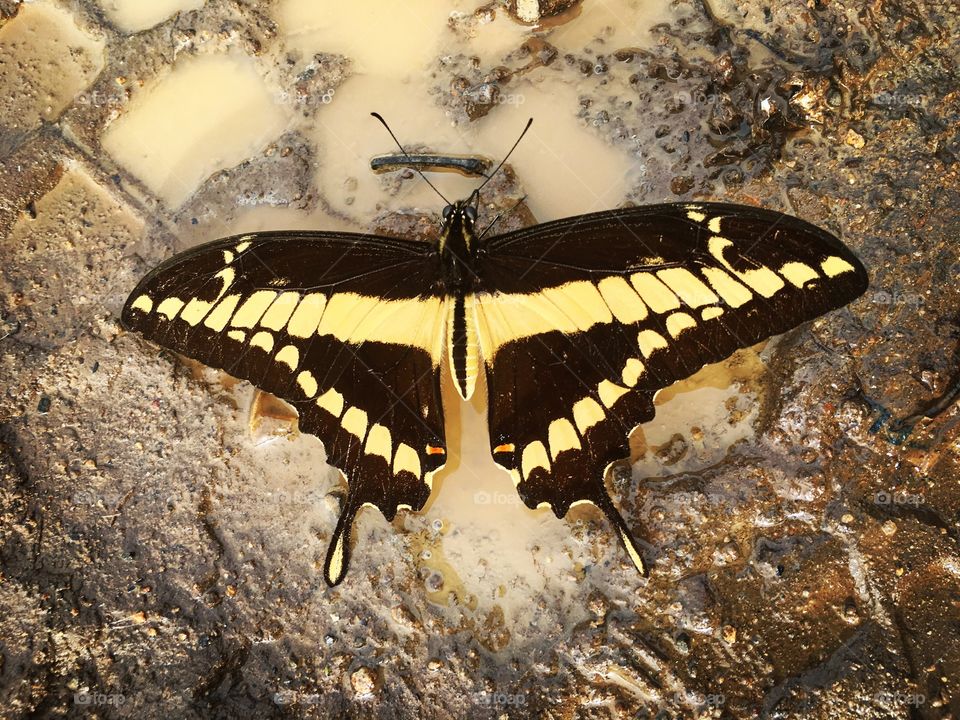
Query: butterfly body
(575, 323)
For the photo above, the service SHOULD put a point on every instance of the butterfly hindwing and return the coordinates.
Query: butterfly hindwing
(582, 320)
(347, 328)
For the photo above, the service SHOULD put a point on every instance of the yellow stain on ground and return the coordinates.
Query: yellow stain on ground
(45, 62)
(136, 15)
(232, 116)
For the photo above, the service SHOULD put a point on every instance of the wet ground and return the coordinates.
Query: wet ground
(163, 526)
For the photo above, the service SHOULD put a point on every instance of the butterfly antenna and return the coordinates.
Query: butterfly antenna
(500, 215)
(497, 169)
(383, 122)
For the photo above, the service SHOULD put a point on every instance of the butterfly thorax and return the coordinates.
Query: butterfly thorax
(457, 248)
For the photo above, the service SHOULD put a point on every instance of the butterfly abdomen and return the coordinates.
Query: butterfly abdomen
(463, 345)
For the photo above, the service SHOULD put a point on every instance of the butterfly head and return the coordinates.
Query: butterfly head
(461, 213)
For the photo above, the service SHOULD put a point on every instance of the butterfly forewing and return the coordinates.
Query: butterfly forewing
(582, 320)
(347, 328)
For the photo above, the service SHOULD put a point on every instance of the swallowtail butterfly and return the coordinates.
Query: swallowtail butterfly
(576, 324)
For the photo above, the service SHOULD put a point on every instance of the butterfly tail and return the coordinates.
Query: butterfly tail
(630, 543)
(338, 552)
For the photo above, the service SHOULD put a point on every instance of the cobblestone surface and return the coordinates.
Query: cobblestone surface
(155, 564)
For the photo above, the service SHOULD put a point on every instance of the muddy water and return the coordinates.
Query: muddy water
(492, 550)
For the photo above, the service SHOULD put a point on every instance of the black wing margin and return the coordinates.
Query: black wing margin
(345, 327)
(582, 320)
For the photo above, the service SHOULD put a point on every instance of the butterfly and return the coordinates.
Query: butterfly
(575, 323)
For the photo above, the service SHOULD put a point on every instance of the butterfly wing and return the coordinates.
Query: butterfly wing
(582, 320)
(345, 327)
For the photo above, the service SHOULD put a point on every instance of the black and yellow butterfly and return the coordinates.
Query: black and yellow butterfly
(576, 323)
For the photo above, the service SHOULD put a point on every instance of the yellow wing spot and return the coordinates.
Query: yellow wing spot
(534, 456)
(505, 448)
(688, 287)
(733, 293)
(262, 340)
(406, 458)
(253, 308)
(711, 313)
(197, 309)
(632, 372)
(307, 383)
(289, 355)
(561, 436)
(227, 257)
(379, 442)
(237, 335)
(332, 402)
(696, 216)
(143, 303)
(280, 310)
(586, 414)
(353, 318)
(581, 302)
(170, 307)
(219, 317)
(305, 319)
(798, 273)
(648, 340)
(242, 246)
(355, 422)
(678, 322)
(714, 225)
(610, 392)
(764, 280)
(834, 266)
(654, 293)
(623, 301)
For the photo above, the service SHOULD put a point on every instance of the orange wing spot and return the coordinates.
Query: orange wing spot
(431, 450)
(507, 448)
